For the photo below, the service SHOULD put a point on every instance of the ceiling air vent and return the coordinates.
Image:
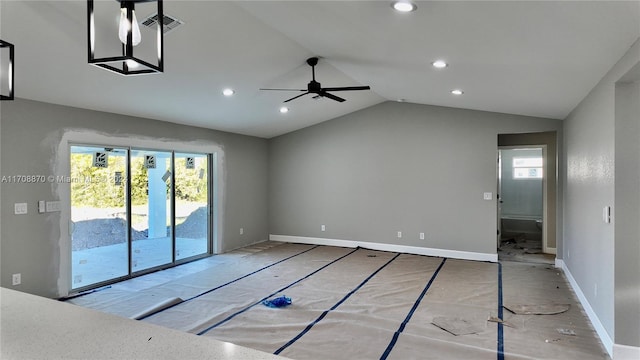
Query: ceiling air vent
(168, 22)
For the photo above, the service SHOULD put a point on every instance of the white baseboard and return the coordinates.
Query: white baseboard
(595, 321)
(625, 352)
(559, 263)
(454, 254)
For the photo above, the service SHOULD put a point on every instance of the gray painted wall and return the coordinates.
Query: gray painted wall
(394, 167)
(589, 242)
(627, 213)
(521, 197)
(31, 135)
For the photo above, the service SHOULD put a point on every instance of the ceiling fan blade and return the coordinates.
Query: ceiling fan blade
(331, 96)
(295, 97)
(347, 88)
(284, 89)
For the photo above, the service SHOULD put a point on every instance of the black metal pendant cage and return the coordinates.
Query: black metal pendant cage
(106, 50)
(8, 70)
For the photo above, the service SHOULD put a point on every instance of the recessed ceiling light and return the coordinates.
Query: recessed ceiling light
(404, 6)
(284, 109)
(439, 64)
(402, 100)
(228, 92)
(457, 92)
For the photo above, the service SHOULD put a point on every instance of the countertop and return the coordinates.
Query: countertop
(33, 327)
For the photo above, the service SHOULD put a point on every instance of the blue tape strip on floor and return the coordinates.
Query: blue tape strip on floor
(228, 283)
(301, 334)
(410, 314)
(500, 314)
(274, 293)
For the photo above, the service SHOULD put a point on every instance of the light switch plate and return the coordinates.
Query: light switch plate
(488, 196)
(52, 206)
(20, 208)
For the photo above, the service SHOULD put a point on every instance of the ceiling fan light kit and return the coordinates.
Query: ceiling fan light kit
(7, 71)
(316, 88)
(118, 40)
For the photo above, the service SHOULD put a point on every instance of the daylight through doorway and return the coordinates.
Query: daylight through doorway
(135, 211)
(521, 192)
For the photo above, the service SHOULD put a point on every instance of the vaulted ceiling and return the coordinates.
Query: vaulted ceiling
(537, 58)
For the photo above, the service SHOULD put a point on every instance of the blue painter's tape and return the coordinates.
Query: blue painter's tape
(274, 293)
(396, 335)
(301, 334)
(278, 302)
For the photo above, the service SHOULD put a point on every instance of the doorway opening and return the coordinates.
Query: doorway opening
(522, 190)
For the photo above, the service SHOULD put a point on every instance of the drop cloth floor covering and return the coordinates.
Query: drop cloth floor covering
(358, 304)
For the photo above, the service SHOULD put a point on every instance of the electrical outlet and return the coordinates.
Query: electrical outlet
(241, 231)
(421, 236)
(399, 234)
(322, 228)
(16, 279)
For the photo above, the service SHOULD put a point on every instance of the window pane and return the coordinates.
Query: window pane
(192, 206)
(527, 162)
(527, 173)
(151, 243)
(99, 229)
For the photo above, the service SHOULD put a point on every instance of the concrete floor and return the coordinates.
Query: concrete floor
(95, 265)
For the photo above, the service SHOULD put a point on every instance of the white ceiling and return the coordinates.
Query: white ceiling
(537, 58)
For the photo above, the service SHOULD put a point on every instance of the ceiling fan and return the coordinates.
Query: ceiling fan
(314, 87)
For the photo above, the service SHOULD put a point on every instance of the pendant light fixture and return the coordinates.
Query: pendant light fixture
(112, 44)
(7, 70)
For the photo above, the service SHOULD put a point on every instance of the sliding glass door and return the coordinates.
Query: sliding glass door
(192, 209)
(99, 222)
(151, 206)
(135, 211)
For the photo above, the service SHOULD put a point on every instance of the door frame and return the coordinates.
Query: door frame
(213, 213)
(545, 175)
(61, 166)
